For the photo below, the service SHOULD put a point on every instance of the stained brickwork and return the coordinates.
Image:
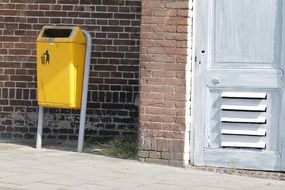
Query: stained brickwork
(163, 83)
(114, 78)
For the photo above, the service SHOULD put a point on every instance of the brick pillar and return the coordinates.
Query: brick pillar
(163, 91)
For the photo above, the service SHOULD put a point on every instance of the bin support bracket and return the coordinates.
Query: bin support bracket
(83, 100)
(40, 127)
(84, 91)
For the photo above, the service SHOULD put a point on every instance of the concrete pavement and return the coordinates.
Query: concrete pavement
(23, 167)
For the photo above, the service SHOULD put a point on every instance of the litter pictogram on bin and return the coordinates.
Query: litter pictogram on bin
(45, 58)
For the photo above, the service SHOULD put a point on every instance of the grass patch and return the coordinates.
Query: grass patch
(121, 147)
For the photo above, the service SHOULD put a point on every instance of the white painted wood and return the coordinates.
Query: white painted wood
(248, 26)
(267, 160)
(259, 78)
(244, 102)
(254, 95)
(243, 126)
(188, 148)
(214, 125)
(281, 130)
(244, 131)
(242, 114)
(203, 23)
(244, 120)
(243, 141)
(241, 45)
(243, 144)
(244, 108)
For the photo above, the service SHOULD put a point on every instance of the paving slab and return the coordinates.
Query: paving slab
(26, 168)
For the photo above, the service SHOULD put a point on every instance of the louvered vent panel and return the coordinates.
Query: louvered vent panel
(243, 120)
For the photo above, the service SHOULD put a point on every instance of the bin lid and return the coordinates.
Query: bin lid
(70, 34)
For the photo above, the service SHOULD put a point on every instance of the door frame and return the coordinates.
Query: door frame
(192, 89)
(197, 159)
(201, 42)
(282, 115)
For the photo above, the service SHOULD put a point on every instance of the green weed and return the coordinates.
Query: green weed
(121, 147)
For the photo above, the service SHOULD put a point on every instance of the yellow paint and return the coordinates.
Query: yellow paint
(59, 80)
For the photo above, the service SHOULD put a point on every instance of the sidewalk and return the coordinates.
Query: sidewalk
(23, 167)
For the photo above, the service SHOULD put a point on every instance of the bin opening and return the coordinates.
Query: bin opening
(57, 33)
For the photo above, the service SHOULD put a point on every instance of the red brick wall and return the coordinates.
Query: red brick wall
(162, 83)
(113, 88)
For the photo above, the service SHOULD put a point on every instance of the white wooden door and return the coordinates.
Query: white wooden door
(239, 101)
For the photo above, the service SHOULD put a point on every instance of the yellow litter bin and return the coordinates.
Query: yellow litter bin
(60, 66)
